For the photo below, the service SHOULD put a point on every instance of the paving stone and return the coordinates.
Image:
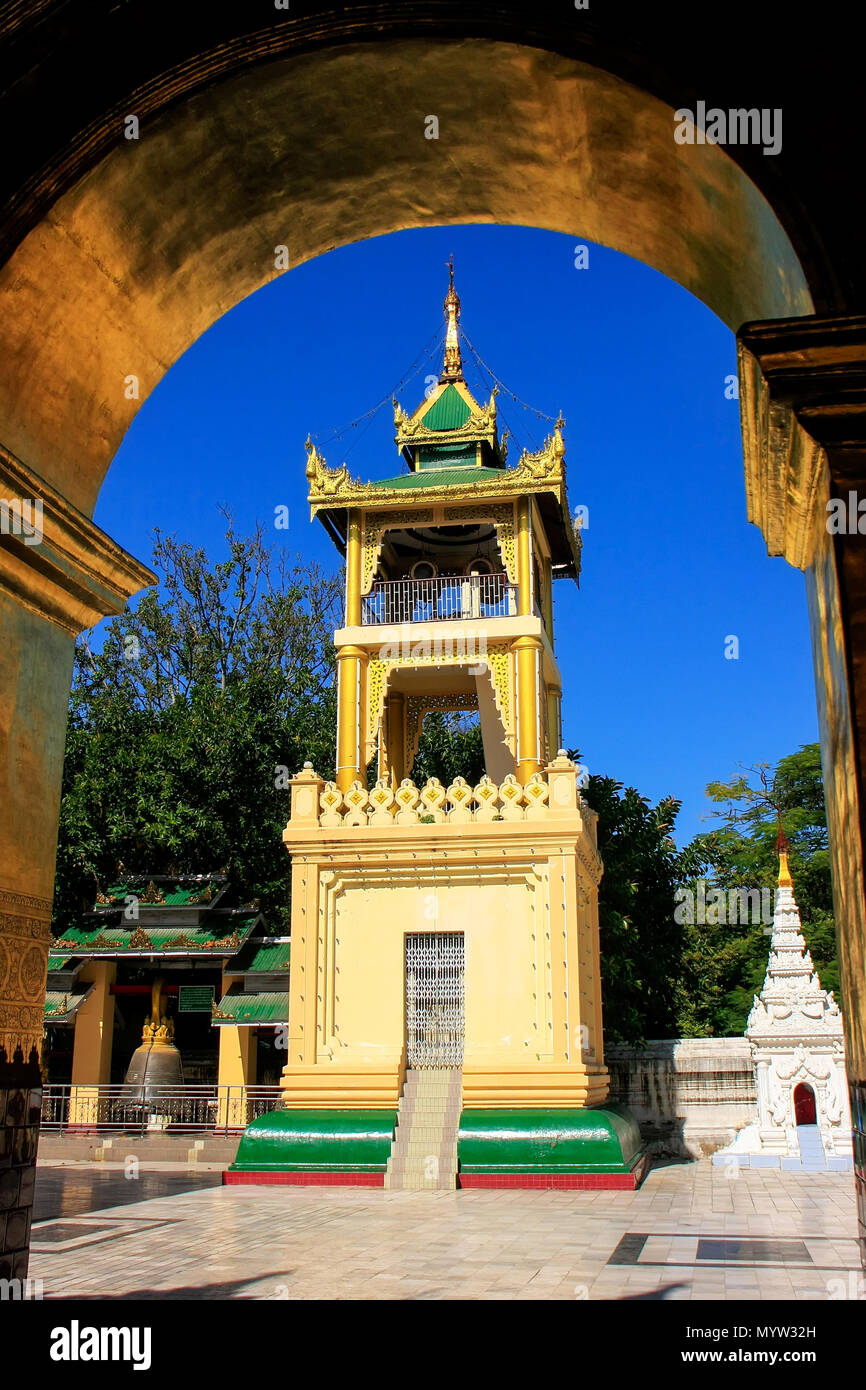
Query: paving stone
(357, 1244)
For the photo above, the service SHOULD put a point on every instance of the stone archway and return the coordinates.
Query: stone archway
(163, 234)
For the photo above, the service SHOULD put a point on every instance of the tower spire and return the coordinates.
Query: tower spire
(452, 369)
(782, 847)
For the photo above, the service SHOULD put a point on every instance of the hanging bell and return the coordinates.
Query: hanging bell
(156, 1064)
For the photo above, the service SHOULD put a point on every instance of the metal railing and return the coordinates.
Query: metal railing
(448, 597)
(148, 1110)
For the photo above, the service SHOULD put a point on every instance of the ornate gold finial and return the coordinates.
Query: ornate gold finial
(785, 880)
(452, 369)
(558, 441)
(157, 1028)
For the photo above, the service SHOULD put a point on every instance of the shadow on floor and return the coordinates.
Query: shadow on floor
(188, 1293)
(77, 1192)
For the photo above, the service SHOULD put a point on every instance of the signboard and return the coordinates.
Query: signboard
(194, 999)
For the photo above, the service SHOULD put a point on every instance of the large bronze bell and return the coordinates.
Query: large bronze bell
(156, 1063)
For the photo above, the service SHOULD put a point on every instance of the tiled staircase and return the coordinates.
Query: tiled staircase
(812, 1153)
(424, 1151)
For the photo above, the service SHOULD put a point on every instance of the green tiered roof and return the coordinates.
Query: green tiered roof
(262, 956)
(199, 890)
(61, 1005)
(448, 412)
(439, 477)
(454, 453)
(222, 936)
(58, 962)
(239, 1008)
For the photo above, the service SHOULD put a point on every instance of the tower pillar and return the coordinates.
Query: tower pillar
(527, 671)
(351, 690)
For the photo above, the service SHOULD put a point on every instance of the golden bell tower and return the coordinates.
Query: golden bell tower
(449, 573)
(445, 956)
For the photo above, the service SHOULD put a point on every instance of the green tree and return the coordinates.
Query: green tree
(184, 726)
(724, 965)
(450, 746)
(641, 941)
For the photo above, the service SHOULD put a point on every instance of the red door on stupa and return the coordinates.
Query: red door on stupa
(804, 1104)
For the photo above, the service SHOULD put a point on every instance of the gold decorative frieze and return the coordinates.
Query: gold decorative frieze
(24, 939)
(787, 479)
(53, 560)
(496, 656)
(543, 471)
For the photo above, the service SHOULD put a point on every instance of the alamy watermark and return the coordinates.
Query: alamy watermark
(847, 518)
(416, 644)
(20, 1290)
(22, 517)
(718, 907)
(734, 127)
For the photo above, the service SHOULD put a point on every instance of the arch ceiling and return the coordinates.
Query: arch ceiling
(169, 231)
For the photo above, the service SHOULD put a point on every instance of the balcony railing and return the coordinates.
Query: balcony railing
(443, 599)
(133, 1110)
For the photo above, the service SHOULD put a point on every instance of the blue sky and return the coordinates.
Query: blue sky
(671, 567)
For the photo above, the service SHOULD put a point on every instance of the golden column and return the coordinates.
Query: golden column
(237, 1070)
(351, 671)
(92, 1043)
(527, 657)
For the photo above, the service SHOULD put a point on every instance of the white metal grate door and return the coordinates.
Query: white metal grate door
(434, 999)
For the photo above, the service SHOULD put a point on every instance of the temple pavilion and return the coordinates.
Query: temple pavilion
(225, 983)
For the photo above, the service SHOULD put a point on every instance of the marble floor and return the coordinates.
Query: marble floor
(691, 1232)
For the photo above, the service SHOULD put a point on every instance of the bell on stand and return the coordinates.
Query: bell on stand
(156, 1064)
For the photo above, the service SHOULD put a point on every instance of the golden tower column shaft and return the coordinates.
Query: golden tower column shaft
(351, 703)
(527, 657)
(351, 671)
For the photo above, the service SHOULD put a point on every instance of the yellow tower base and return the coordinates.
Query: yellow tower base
(513, 870)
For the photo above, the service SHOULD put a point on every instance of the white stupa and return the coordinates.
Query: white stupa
(795, 1029)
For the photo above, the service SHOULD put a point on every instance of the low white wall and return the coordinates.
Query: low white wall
(689, 1095)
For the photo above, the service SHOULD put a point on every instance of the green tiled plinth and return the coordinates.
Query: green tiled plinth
(310, 1141)
(605, 1139)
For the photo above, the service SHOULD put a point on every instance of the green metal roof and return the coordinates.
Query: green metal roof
(258, 955)
(237, 1008)
(448, 412)
(448, 456)
(185, 891)
(58, 962)
(440, 477)
(60, 1006)
(223, 936)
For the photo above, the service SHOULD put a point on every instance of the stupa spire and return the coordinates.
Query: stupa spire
(782, 847)
(452, 369)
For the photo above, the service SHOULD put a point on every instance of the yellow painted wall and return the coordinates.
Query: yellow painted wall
(364, 1018)
(524, 892)
(94, 1025)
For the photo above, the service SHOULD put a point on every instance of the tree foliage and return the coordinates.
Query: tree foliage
(724, 966)
(184, 726)
(640, 940)
(450, 746)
